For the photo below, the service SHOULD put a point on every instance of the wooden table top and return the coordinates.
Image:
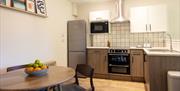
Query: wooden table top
(19, 80)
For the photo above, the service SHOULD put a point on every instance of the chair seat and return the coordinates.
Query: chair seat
(72, 87)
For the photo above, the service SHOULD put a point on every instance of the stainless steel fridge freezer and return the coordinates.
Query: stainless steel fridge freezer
(76, 42)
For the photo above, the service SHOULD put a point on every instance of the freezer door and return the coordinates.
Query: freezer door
(76, 58)
(77, 35)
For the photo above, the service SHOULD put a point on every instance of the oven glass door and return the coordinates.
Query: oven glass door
(118, 59)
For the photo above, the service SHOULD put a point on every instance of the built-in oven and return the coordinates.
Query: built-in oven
(99, 27)
(119, 61)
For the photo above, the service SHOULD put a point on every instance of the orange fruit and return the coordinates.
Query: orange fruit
(44, 67)
(37, 69)
(29, 69)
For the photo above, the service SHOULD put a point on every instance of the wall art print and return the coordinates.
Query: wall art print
(30, 5)
(20, 4)
(3, 2)
(41, 7)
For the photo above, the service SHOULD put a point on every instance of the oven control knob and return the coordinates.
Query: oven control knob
(122, 51)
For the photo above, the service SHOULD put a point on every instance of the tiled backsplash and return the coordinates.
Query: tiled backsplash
(175, 44)
(121, 37)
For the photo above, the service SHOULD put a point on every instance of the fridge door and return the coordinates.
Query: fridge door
(76, 58)
(77, 35)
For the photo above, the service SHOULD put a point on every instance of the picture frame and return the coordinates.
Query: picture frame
(41, 7)
(3, 2)
(9, 3)
(30, 5)
(20, 4)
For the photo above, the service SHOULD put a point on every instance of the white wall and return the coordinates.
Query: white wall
(26, 37)
(174, 18)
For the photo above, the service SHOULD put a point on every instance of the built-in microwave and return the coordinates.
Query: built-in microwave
(99, 27)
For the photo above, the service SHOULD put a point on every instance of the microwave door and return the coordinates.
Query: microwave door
(99, 27)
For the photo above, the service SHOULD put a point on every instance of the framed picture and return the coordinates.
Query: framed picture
(20, 4)
(3, 2)
(41, 7)
(9, 3)
(30, 5)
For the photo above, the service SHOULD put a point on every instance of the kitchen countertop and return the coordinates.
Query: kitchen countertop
(154, 51)
(158, 51)
(161, 52)
(97, 47)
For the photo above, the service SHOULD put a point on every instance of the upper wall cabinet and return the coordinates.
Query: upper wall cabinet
(149, 18)
(99, 15)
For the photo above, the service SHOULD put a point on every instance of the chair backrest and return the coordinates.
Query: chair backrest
(16, 67)
(85, 70)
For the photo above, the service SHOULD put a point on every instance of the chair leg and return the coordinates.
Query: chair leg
(54, 88)
(60, 87)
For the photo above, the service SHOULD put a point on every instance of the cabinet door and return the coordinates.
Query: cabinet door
(103, 63)
(157, 19)
(137, 63)
(138, 18)
(92, 58)
(98, 60)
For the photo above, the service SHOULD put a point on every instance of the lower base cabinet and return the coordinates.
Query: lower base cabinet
(98, 59)
(156, 68)
(137, 64)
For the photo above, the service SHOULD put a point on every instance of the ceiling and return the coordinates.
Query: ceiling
(87, 1)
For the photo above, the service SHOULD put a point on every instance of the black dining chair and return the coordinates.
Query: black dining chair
(82, 69)
(16, 67)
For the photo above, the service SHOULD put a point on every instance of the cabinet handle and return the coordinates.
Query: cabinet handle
(136, 53)
(150, 26)
(146, 27)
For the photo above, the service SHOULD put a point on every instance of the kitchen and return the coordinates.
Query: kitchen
(123, 36)
(123, 40)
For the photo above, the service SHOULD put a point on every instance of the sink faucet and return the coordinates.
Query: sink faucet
(170, 40)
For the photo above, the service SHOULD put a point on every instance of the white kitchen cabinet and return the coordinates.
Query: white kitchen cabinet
(99, 15)
(148, 18)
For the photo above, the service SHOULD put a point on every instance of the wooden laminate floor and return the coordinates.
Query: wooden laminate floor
(113, 85)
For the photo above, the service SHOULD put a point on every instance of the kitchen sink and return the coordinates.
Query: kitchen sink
(161, 50)
(167, 52)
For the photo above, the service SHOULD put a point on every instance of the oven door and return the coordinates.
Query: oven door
(119, 58)
(100, 27)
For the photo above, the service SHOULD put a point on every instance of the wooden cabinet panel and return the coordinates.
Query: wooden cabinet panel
(137, 63)
(146, 75)
(97, 58)
(156, 68)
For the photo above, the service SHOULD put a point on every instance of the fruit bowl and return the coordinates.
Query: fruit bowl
(37, 73)
(36, 69)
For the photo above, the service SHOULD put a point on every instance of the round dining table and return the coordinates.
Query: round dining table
(19, 80)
